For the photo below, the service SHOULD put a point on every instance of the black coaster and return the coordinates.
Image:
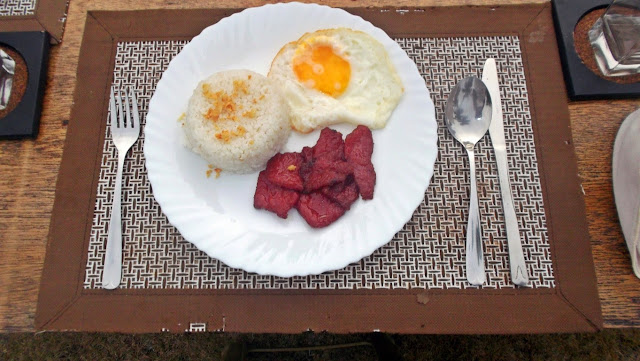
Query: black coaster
(24, 119)
(582, 83)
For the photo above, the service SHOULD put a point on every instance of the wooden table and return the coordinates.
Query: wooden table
(29, 169)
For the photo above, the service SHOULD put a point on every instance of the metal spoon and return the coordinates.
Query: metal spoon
(468, 115)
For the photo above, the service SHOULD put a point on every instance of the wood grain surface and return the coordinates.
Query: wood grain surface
(29, 169)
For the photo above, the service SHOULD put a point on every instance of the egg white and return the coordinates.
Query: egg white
(373, 92)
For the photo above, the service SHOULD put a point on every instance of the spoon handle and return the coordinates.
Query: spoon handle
(475, 258)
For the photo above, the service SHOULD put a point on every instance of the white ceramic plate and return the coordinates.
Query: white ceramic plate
(217, 215)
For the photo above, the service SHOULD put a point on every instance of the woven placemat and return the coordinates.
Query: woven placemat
(416, 283)
(17, 7)
(429, 252)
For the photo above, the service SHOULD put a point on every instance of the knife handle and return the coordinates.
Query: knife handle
(518, 267)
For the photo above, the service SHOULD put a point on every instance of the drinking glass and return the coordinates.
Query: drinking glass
(615, 38)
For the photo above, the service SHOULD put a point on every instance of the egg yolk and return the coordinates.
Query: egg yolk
(319, 67)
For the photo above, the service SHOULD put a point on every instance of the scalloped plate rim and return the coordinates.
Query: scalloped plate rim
(339, 261)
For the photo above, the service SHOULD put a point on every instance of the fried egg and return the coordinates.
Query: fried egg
(337, 75)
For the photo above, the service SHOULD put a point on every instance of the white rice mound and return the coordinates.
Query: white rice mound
(236, 120)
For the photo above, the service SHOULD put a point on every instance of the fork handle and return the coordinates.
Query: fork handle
(113, 258)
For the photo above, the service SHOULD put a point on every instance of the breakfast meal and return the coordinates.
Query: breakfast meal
(337, 75)
(327, 72)
(322, 181)
(236, 120)
(239, 121)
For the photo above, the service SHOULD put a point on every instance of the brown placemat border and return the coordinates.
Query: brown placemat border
(49, 15)
(571, 306)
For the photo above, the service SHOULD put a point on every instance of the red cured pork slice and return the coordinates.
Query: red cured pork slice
(365, 177)
(327, 165)
(273, 198)
(330, 145)
(358, 148)
(344, 193)
(326, 172)
(283, 170)
(307, 163)
(307, 154)
(318, 210)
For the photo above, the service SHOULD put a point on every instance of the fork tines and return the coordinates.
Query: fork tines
(127, 117)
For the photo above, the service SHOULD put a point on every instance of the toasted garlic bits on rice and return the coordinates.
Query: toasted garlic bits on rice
(237, 120)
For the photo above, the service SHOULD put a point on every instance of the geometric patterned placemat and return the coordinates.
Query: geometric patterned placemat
(428, 252)
(17, 7)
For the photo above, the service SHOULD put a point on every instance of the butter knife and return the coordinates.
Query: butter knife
(496, 131)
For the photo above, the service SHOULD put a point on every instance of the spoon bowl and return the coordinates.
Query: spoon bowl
(468, 111)
(468, 116)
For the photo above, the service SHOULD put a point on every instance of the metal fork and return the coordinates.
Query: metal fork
(125, 130)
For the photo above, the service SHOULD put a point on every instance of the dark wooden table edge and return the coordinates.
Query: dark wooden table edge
(61, 300)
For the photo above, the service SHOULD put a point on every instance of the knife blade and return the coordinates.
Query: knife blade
(518, 268)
